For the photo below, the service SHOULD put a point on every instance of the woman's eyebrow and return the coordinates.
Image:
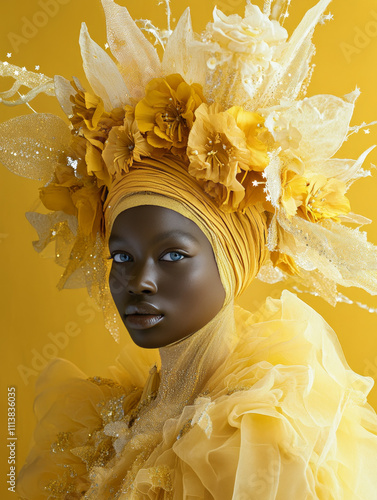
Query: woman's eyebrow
(176, 233)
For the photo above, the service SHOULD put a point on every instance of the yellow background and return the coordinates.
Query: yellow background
(33, 311)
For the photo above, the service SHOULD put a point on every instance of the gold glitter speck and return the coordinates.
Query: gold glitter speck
(62, 442)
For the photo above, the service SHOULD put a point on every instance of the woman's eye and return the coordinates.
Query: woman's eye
(121, 257)
(173, 256)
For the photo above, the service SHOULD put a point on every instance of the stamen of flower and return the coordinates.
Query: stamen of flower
(212, 63)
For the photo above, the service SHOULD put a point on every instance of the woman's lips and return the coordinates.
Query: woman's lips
(142, 321)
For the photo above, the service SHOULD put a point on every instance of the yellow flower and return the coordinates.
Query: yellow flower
(57, 195)
(92, 122)
(87, 109)
(90, 118)
(126, 145)
(85, 202)
(293, 191)
(96, 166)
(251, 125)
(76, 191)
(88, 203)
(325, 199)
(284, 262)
(217, 152)
(57, 198)
(228, 198)
(314, 197)
(254, 185)
(166, 114)
(221, 154)
(284, 133)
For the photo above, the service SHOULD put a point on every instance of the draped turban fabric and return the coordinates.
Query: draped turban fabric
(239, 240)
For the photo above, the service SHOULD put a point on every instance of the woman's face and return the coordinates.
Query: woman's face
(164, 278)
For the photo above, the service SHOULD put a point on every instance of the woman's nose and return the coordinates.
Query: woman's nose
(143, 280)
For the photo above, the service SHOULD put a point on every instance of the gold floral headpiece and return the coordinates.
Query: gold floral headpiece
(230, 104)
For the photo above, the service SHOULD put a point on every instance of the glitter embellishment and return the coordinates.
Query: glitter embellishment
(160, 477)
(112, 410)
(60, 488)
(184, 429)
(62, 442)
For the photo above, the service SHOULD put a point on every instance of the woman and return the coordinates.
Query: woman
(237, 409)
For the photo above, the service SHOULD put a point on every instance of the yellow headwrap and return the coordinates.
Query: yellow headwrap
(238, 239)
(246, 141)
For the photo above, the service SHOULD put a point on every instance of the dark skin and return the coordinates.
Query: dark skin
(164, 278)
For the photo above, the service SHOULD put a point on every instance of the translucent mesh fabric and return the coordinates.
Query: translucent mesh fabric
(137, 58)
(259, 406)
(32, 145)
(186, 368)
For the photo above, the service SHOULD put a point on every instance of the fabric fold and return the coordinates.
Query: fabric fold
(278, 415)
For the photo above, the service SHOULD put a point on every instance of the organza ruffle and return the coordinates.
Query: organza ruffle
(284, 417)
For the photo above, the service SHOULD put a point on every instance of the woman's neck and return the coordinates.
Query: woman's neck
(187, 366)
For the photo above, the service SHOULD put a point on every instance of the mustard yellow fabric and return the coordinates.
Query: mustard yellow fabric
(238, 239)
(279, 415)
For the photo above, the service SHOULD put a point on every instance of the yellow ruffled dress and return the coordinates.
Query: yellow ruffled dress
(256, 406)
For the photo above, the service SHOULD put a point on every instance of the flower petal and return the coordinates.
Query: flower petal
(178, 56)
(64, 91)
(287, 83)
(345, 170)
(102, 73)
(55, 197)
(323, 122)
(95, 165)
(138, 59)
(332, 252)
